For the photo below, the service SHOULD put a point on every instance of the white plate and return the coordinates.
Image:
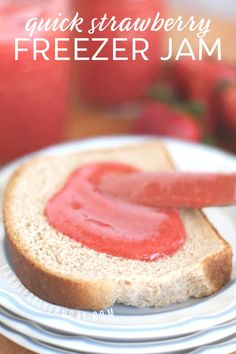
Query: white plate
(128, 323)
(89, 345)
(223, 347)
(29, 343)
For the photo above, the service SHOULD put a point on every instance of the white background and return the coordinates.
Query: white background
(222, 8)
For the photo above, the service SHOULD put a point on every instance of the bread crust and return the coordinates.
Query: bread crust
(49, 286)
(218, 268)
(85, 294)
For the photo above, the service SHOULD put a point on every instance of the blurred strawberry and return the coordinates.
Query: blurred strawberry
(158, 118)
(228, 106)
(198, 80)
(166, 94)
(225, 110)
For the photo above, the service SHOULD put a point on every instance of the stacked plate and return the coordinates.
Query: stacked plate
(199, 326)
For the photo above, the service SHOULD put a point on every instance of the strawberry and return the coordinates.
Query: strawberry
(228, 106)
(158, 118)
(198, 80)
(225, 109)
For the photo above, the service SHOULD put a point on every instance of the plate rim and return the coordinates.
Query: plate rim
(175, 343)
(128, 140)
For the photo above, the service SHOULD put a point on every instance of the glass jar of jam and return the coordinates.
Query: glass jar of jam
(33, 93)
(109, 81)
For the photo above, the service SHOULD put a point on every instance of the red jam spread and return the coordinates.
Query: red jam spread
(109, 225)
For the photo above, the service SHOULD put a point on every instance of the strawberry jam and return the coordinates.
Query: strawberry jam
(110, 225)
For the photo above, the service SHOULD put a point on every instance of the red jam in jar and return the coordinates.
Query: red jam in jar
(112, 82)
(33, 93)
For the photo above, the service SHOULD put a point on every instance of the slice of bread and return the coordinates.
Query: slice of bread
(64, 272)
